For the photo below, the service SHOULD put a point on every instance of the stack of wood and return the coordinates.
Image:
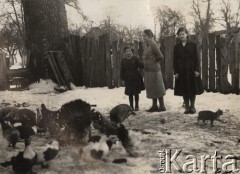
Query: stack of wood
(60, 68)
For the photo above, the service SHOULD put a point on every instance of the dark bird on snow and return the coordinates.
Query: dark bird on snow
(48, 121)
(123, 135)
(24, 161)
(104, 125)
(10, 133)
(120, 112)
(49, 113)
(26, 117)
(76, 115)
(8, 113)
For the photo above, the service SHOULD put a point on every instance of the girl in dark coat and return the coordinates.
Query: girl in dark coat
(131, 76)
(186, 69)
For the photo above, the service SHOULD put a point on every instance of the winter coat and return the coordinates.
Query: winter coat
(185, 63)
(131, 76)
(152, 71)
(151, 57)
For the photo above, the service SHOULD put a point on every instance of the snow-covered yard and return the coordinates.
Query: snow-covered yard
(151, 132)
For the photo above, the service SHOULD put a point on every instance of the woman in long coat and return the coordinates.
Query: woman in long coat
(153, 79)
(186, 69)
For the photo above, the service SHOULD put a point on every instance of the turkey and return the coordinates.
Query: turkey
(8, 113)
(24, 161)
(76, 115)
(10, 133)
(120, 112)
(26, 117)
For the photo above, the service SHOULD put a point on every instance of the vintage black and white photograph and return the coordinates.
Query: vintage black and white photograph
(119, 86)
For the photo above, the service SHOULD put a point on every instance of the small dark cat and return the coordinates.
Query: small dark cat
(209, 115)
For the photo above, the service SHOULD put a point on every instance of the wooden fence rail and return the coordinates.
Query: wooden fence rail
(96, 62)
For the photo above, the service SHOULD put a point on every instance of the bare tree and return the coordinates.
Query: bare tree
(9, 41)
(169, 20)
(230, 19)
(205, 22)
(13, 22)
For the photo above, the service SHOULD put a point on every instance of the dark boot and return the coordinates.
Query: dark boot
(192, 108)
(154, 107)
(131, 101)
(136, 102)
(161, 103)
(186, 101)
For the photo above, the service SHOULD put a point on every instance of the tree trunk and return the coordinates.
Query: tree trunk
(46, 26)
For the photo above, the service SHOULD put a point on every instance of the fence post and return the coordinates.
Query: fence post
(108, 61)
(115, 64)
(212, 70)
(169, 43)
(236, 63)
(3, 72)
(218, 61)
(205, 62)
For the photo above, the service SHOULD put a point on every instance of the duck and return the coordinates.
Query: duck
(51, 151)
(24, 161)
(10, 133)
(47, 152)
(25, 130)
(97, 148)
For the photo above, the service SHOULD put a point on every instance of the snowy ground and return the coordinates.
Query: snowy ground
(151, 132)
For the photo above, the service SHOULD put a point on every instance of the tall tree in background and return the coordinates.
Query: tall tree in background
(45, 26)
(230, 19)
(13, 22)
(204, 22)
(12, 15)
(169, 20)
(8, 42)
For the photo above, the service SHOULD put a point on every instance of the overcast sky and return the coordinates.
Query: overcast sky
(138, 12)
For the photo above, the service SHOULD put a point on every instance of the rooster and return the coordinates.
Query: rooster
(48, 121)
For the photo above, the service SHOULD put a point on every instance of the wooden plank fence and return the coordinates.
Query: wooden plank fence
(97, 63)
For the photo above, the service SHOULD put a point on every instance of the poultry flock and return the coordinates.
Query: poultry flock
(72, 123)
